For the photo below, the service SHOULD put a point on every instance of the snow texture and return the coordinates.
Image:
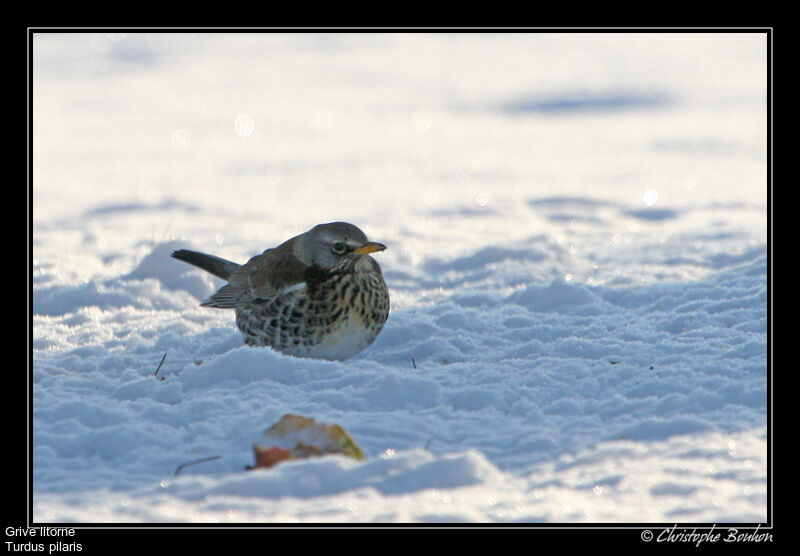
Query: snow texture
(577, 257)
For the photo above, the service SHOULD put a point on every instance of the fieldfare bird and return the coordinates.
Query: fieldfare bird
(318, 294)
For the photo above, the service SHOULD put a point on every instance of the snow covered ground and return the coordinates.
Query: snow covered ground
(577, 228)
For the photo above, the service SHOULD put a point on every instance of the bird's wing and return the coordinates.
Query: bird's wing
(276, 272)
(266, 276)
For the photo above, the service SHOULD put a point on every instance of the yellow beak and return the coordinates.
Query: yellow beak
(369, 247)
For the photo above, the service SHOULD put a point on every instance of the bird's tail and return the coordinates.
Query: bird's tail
(217, 266)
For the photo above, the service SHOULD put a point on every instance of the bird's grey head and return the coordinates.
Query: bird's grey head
(326, 245)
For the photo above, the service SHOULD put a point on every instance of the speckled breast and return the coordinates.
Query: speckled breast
(333, 315)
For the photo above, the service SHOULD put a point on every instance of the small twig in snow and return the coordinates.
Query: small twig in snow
(195, 462)
(159, 365)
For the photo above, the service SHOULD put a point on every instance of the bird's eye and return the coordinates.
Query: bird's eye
(339, 248)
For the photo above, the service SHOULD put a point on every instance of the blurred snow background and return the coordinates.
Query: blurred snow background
(577, 230)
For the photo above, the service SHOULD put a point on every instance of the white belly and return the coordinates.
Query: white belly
(349, 338)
